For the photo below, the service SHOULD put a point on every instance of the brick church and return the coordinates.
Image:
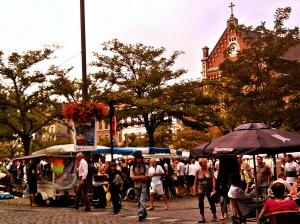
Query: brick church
(234, 41)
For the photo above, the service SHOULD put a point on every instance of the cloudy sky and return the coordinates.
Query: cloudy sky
(186, 25)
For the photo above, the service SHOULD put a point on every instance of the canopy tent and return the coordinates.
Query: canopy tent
(154, 150)
(61, 149)
(56, 149)
(161, 156)
(250, 139)
(120, 151)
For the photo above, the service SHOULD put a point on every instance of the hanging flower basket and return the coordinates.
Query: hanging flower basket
(81, 111)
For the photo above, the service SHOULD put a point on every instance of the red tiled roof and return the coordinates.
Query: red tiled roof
(293, 54)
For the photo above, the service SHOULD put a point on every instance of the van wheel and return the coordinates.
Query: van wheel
(49, 202)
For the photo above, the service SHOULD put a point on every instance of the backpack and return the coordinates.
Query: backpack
(118, 180)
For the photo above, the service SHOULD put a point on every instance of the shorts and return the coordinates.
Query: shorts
(190, 180)
(158, 189)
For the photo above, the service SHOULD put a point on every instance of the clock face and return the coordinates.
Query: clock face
(233, 49)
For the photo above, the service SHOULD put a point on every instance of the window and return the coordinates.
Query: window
(232, 39)
(106, 125)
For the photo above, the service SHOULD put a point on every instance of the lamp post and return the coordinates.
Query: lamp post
(181, 141)
(111, 105)
(84, 85)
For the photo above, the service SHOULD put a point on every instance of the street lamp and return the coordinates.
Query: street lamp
(111, 105)
(83, 53)
(181, 141)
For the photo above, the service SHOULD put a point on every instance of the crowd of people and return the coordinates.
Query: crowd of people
(230, 177)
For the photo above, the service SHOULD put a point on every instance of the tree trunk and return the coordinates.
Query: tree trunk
(151, 138)
(26, 144)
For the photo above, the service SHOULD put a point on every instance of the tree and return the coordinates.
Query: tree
(28, 95)
(139, 79)
(261, 84)
(187, 138)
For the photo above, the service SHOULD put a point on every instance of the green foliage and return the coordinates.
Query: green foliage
(28, 94)
(187, 138)
(262, 84)
(139, 79)
(133, 140)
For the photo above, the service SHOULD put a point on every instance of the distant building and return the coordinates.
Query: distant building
(57, 131)
(120, 136)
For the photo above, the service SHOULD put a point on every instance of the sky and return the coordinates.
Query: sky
(186, 25)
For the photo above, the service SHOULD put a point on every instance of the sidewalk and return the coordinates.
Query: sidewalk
(182, 210)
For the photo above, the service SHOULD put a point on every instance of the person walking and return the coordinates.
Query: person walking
(191, 171)
(115, 183)
(81, 192)
(180, 177)
(264, 176)
(156, 186)
(205, 183)
(139, 174)
(227, 166)
(32, 181)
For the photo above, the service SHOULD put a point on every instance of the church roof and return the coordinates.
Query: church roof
(293, 54)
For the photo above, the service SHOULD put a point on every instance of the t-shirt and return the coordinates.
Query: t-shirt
(263, 174)
(243, 198)
(180, 168)
(156, 180)
(192, 169)
(272, 205)
(139, 170)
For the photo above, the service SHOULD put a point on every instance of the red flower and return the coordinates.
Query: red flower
(82, 111)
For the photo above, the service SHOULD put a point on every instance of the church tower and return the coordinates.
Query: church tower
(230, 39)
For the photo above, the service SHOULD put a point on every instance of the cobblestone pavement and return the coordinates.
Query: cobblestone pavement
(182, 210)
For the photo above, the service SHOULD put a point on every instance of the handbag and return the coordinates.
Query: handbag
(118, 180)
(215, 197)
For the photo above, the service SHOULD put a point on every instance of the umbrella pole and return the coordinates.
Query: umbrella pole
(275, 167)
(256, 189)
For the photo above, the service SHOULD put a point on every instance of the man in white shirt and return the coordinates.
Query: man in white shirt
(291, 170)
(156, 186)
(180, 177)
(281, 179)
(191, 171)
(82, 170)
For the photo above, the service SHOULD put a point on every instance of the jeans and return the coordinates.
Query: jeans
(224, 200)
(141, 194)
(212, 204)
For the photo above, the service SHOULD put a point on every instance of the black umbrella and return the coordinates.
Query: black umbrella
(250, 139)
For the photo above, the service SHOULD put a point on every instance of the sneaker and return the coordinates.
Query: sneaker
(202, 220)
(214, 218)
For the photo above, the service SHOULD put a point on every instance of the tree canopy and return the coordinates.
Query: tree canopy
(142, 82)
(28, 93)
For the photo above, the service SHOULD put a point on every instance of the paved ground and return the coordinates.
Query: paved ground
(182, 210)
